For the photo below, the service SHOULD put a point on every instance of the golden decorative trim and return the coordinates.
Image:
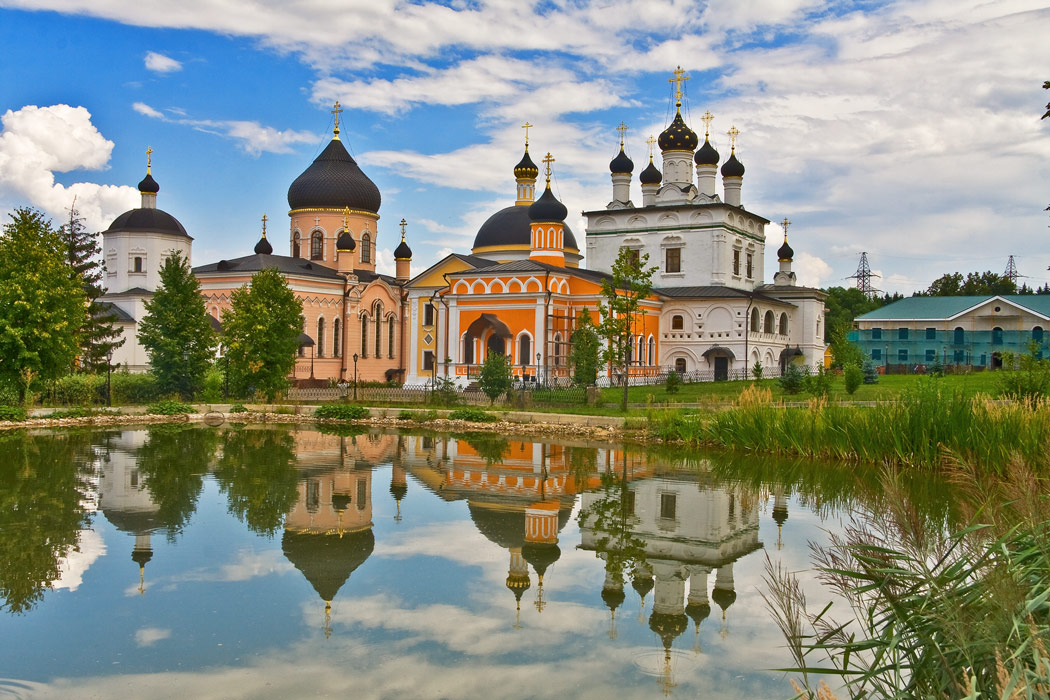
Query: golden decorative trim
(336, 210)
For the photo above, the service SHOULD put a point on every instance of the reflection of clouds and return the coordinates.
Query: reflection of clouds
(72, 567)
(147, 636)
(248, 565)
(456, 541)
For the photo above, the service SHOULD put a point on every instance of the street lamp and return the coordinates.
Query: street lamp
(109, 372)
(538, 356)
(355, 376)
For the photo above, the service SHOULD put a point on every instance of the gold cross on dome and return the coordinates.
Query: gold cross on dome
(149, 158)
(526, 126)
(651, 140)
(547, 161)
(403, 224)
(679, 78)
(264, 219)
(346, 218)
(623, 130)
(337, 110)
(707, 119)
(733, 133)
(785, 223)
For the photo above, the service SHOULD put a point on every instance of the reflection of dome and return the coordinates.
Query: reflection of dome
(141, 556)
(147, 220)
(134, 522)
(613, 597)
(642, 584)
(698, 612)
(505, 528)
(398, 491)
(334, 181)
(327, 560)
(723, 597)
(668, 627)
(540, 555)
(780, 515)
(512, 227)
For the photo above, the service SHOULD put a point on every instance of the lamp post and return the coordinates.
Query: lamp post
(109, 372)
(355, 376)
(538, 356)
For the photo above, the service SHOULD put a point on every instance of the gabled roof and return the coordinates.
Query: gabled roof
(474, 261)
(715, 292)
(942, 308)
(285, 265)
(112, 311)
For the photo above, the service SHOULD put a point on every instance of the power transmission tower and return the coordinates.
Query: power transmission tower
(1011, 271)
(863, 276)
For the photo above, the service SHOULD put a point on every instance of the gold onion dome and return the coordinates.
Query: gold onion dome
(678, 136)
(525, 167)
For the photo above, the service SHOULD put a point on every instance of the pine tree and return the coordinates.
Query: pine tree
(98, 337)
(176, 330)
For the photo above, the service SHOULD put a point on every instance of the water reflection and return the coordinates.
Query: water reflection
(473, 535)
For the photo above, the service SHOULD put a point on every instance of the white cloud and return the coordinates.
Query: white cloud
(73, 566)
(148, 636)
(811, 271)
(145, 109)
(36, 142)
(159, 63)
(251, 136)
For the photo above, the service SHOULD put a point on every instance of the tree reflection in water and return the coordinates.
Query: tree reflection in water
(257, 473)
(173, 462)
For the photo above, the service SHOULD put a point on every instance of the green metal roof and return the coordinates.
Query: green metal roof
(937, 308)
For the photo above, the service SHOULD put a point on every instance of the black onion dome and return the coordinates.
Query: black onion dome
(541, 555)
(643, 584)
(334, 181)
(547, 208)
(512, 226)
(651, 175)
(263, 247)
(698, 612)
(785, 253)
(707, 155)
(733, 167)
(345, 242)
(402, 252)
(398, 491)
(142, 556)
(613, 597)
(723, 597)
(525, 167)
(503, 528)
(621, 163)
(668, 627)
(327, 561)
(678, 136)
(780, 515)
(149, 185)
(147, 220)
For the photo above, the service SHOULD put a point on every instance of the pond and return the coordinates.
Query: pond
(259, 561)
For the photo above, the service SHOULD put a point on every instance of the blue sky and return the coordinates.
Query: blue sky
(908, 129)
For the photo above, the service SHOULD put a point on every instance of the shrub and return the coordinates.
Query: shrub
(871, 372)
(211, 390)
(853, 377)
(134, 388)
(444, 392)
(12, 413)
(170, 407)
(238, 408)
(74, 413)
(1024, 377)
(757, 370)
(495, 376)
(819, 384)
(793, 379)
(341, 411)
(674, 382)
(79, 390)
(406, 415)
(474, 415)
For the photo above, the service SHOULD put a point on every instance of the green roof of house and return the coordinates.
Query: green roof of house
(935, 308)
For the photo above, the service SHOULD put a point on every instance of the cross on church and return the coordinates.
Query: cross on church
(679, 78)
(337, 110)
(707, 119)
(403, 224)
(346, 218)
(733, 133)
(264, 225)
(317, 221)
(526, 126)
(149, 158)
(651, 140)
(785, 223)
(623, 130)
(547, 161)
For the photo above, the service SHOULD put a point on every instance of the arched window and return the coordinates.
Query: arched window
(960, 336)
(138, 264)
(364, 336)
(297, 241)
(316, 245)
(997, 336)
(641, 350)
(754, 320)
(524, 349)
(677, 323)
(767, 324)
(377, 311)
(468, 350)
(1037, 334)
(679, 365)
(390, 338)
(337, 337)
(652, 351)
(366, 248)
(783, 324)
(320, 337)
(557, 349)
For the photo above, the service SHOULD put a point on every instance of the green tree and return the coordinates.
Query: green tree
(622, 310)
(99, 337)
(261, 332)
(495, 376)
(173, 462)
(843, 305)
(974, 284)
(257, 473)
(844, 351)
(41, 301)
(176, 330)
(584, 352)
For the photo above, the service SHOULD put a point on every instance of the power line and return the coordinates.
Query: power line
(863, 276)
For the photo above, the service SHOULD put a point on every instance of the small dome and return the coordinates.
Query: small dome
(142, 556)
(678, 136)
(148, 221)
(651, 175)
(723, 597)
(707, 155)
(621, 163)
(149, 185)
(642, 584)
(613, 597)
(263, 247)
(698, 612)
(525, 167)
(780, 515)
(668, 626)
(334, 181)
(402, 252)
(398, 491)
(346, 242)
(784, 254)
(733, 167)
(511, 226)
(540, 555)
(547, 208)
